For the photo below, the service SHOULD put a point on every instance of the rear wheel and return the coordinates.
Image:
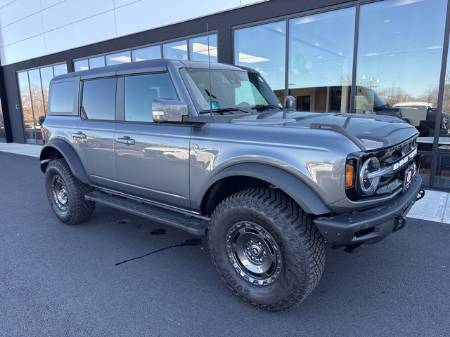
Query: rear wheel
(266, 248)
(65, 194)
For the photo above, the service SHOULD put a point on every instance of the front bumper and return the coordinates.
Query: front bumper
(373, 224)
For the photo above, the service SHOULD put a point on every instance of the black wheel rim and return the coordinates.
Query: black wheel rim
(59, 193)
(254, 253)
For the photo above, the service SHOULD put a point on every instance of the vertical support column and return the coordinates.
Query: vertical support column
(440, 101)
(355, 59)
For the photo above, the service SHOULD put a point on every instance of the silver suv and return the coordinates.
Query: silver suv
(209, 149)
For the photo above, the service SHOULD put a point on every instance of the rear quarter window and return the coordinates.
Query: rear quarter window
(62, 98)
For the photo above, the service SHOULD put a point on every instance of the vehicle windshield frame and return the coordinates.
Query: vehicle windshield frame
(266, 93)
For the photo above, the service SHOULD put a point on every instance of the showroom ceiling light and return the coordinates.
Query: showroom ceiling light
(247, 58)
(121, 59)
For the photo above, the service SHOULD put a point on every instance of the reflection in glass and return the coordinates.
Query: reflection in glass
(399, 56)
(443, 162)
(37, 100)
(175, 50)
(140, 91)
(81, 65)
(60, 69)
(27, 110)
(98, 102)
(2, 125)
(96, 62)
(198, 48)
(321, 59)
(118, 58)
(251, 50)
(46, 76)
(399, 60)
(146, 53)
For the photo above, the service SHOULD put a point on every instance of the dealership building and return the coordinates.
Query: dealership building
(373, 57)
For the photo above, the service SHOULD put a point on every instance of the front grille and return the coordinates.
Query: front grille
(393, 182)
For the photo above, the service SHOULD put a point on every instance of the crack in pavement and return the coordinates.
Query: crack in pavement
(189, 242)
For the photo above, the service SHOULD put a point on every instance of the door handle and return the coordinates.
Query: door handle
(79, 136)
(127, 140)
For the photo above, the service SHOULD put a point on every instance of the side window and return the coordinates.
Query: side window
(61, 98)
(99, 99)
(141, 90)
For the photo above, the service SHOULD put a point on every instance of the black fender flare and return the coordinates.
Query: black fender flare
(68, 153)
(290, 184)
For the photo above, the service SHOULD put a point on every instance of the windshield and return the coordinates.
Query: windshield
(227, 90)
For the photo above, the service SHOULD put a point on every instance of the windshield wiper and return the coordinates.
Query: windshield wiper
(222, 110)
(265, 107)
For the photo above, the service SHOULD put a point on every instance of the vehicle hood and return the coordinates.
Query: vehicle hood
(367, 131)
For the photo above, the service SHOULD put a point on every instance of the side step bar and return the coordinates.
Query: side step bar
(191, 224)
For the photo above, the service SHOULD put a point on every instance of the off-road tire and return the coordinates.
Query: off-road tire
(301, 245)
(78, 209)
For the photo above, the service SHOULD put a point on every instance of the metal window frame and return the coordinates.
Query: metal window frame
(440, 101)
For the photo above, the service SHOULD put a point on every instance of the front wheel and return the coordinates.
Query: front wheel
(65, 194)
(266, 248)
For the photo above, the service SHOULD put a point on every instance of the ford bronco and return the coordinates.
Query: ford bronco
(209, 149)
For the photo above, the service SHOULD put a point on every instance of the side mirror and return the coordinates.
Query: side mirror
(168, 111)
(289, 102)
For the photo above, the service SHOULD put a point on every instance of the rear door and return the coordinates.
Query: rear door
(95, 137)
(152, 159)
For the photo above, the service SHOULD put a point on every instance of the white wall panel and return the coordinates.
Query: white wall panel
(32, 28)
(25, 49)
(28, 27)
(148, 14)
(69, 12)
(88, 31)
(17, 10)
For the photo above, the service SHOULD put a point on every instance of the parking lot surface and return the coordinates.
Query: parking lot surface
(59, 280)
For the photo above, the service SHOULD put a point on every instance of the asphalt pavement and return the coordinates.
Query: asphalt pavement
(59, 280)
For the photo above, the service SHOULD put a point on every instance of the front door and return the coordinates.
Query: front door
(94, 138)
(152, 160)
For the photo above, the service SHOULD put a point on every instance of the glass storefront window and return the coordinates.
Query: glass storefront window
(37, 100)
(46, 76)
(321, 60)
(118, 58)
(2, 125)
(96, 62)
(203, 48)
(175, 50)
(27, 110)
(34, 87)
(251, 50)
(399, 61)
(60, 69)
(443, 150)
(81, 65)
(146, 53)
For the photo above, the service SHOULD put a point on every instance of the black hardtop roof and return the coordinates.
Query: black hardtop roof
(142, 66)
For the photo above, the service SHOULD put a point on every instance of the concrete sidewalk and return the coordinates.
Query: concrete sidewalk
(23, 149)
(435, 206)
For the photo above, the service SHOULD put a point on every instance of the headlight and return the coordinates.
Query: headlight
(367, 183)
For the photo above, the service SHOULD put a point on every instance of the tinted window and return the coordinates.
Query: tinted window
(61, 100)
(99, 99)
(140, 91)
